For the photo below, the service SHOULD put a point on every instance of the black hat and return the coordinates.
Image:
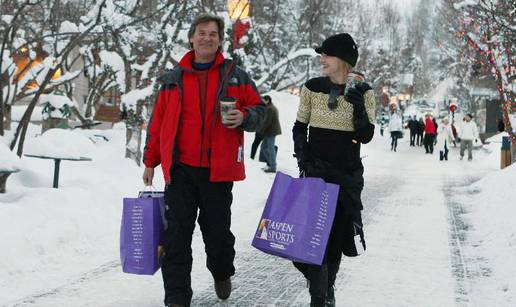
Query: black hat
(342, 46)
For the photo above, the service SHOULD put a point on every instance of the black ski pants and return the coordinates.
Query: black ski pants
(419, 140)
(254, 147)
(413, 138)
(189, 192)
(345, 227)
(429, 143)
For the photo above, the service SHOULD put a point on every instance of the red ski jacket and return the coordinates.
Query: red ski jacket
(177, 128)
(430, 126)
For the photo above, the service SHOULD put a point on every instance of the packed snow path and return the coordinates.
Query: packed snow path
(415, 253)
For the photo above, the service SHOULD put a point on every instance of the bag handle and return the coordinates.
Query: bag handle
(149, 188)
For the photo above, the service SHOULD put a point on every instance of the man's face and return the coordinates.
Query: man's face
(206, 41)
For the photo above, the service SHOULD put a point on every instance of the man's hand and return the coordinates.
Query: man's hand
(234, 118)
(148, 175)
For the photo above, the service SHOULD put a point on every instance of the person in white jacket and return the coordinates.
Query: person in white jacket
(467, 133)
(395, 127)
(444, 138)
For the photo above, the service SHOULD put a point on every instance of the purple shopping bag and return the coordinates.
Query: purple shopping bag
(297, 219)
(141, 233)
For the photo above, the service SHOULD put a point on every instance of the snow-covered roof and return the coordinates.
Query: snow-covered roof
(482, 91)
(407, 79)
(57, 101)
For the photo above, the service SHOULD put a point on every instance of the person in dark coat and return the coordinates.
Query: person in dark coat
(270, 129)
(413, 126)
(420, 131)
(330, 127)
(200, 150)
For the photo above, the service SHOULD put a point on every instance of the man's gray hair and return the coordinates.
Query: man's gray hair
(207, 17)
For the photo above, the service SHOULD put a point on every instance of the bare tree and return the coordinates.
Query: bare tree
(488, 29)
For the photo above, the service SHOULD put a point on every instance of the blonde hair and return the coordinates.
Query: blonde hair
(348, 66)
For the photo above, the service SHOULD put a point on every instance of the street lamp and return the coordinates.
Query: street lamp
(238, 9)
(453, 108)
(240, 14)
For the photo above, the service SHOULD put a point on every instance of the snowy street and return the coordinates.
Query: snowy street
(420, 252)
(124, 123)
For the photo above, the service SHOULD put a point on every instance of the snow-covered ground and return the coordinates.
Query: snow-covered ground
(438, 233)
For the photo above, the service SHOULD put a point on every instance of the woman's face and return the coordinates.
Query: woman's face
(332, 66)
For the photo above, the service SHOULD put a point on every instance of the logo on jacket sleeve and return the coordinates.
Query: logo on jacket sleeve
(233, 81)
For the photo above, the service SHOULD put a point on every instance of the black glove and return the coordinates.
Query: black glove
(355, 96)
(301, 164)
(315, 167)
(299, 133)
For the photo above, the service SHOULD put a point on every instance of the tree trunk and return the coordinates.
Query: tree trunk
(133, 143)
(7, 117)
(513, 151)
(3, 182)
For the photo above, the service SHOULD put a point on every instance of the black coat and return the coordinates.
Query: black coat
(413, 126)
(271, 124)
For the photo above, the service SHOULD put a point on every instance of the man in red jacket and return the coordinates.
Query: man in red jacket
(200, 156)
(430, 132)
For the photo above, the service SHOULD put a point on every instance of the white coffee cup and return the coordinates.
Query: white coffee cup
(226, 104)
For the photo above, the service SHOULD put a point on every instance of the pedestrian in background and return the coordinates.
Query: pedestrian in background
(444, 138)
(420, 131)
(468, 133)
(413, 126)
(430, 132)
(395, 127)
(383, 122)
(270, 129)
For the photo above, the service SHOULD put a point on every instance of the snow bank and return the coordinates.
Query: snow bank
(9, 161)
(50, 236)
(494, 209)
(61, 143)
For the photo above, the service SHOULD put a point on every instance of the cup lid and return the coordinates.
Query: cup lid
(228, 99)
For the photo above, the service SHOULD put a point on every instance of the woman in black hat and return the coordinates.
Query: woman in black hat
(339, 120)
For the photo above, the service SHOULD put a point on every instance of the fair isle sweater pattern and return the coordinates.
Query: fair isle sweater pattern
(314, 110)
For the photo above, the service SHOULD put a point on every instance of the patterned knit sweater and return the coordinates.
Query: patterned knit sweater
(332, 136)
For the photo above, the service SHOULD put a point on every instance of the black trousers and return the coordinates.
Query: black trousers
(419, 140)
(443, 154)
(413, 138)
(345, 226)
(189, 192)
(429, 143)
(254, 147)
(394, 140)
